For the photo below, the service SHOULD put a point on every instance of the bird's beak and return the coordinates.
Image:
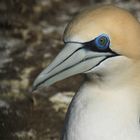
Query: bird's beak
(73, 59)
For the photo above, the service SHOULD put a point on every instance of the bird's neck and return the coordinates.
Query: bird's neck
(119, 87)
(105, 109)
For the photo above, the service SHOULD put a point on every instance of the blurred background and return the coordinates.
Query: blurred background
(31, 34)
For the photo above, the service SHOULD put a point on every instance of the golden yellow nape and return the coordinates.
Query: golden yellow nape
(122, 27)
(104, 44)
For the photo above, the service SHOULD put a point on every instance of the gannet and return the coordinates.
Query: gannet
(103, 43)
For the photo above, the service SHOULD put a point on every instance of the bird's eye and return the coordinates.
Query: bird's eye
(102, 42)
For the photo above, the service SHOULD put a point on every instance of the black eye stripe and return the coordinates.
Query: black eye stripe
(92, 46)
(99, 44)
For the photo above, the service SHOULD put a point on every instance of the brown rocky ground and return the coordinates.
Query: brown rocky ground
(30, 37)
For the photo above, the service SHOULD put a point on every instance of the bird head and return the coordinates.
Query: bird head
(96, 41)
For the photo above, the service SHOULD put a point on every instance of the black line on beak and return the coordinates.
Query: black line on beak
(65, 59)
(62, 71)
(102, 61)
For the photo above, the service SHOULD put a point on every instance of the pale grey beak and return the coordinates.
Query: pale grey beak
(73, 59)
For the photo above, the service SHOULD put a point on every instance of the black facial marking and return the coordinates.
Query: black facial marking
(99, 44)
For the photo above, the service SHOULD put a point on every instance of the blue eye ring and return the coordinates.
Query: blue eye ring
(102, 42)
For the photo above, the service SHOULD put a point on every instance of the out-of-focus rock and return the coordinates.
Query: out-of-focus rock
(61, 100)
(8, 46)
(4, 105)
(26, 135)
